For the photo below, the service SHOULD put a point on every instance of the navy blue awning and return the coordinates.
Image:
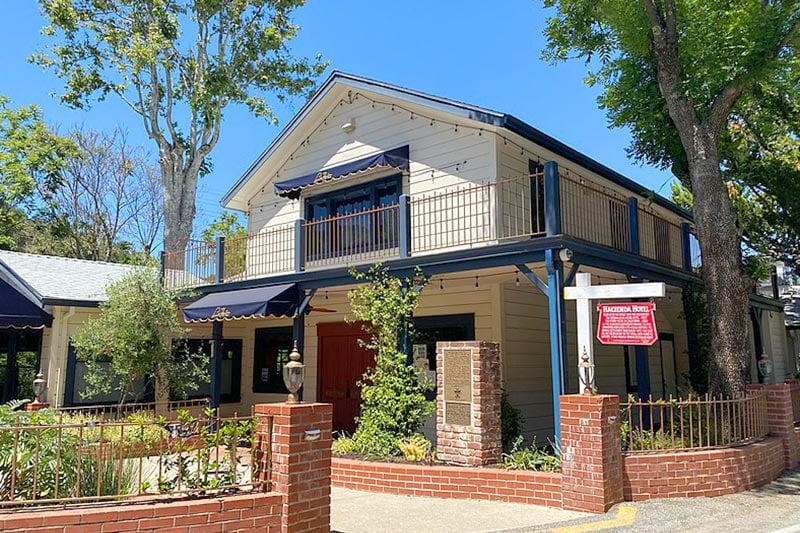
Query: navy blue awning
(19, 311)
(396, 158)
(277, 300)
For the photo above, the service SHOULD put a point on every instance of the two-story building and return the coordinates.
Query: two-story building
(497, 214)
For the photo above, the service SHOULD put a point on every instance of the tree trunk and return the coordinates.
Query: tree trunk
(727, 287)
(180, 191)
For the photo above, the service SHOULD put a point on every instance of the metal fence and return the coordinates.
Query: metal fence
(702, 422)
(193, 267)
(270, 251)
(353, 237)
(478, 213)
(594, 213)
(119, 411)
(55, 457)
(660, 239)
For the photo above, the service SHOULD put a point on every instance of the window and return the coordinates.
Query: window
(369, 231)
(75, 386)
(231, 378)
(428, 330)
(270, 354)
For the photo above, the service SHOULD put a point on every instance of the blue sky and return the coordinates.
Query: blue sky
(484, 53)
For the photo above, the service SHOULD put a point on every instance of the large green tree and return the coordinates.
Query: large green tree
(673, 71)
(178, 64)
(32, 162)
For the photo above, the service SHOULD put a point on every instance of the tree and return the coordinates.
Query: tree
(131, 341)
(177, 64)
(108, 194)
(393, 403)
(227, 225)
(32, 162)
(673, 71)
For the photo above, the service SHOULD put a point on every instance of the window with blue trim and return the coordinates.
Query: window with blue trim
(353, 220)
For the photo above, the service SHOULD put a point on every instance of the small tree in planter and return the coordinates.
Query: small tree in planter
(131, 341)
(393, 403)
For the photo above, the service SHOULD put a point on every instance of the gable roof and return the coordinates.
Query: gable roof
(487, 116)
(52, 280)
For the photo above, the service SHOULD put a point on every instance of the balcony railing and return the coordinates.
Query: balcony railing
(464, 216)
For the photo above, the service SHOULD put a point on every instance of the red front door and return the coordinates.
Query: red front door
(342, 363)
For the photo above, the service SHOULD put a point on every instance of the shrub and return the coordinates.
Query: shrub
(393, 403)
(510, 421)
(416, 449)
(344, 445)
(532, 458)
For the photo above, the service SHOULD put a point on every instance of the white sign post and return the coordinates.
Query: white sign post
(584, 293)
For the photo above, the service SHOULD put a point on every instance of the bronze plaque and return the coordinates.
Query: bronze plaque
(457, 375)
(458, 414)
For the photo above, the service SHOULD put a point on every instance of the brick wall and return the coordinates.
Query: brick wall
(780, 419)
(256, 512)
(479, 443)
(493, 484)
(680, 474)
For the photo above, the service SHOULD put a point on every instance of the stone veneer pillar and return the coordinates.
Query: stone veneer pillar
(591, 451)
(780, 419)
(468, 403)
(300, 462)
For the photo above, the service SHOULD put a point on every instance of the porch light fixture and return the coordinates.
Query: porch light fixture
(586, 373)
(39, 387)
(349, 126)
(294, 374)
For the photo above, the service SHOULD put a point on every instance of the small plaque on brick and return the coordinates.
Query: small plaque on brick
(458, 414)
(457, 375)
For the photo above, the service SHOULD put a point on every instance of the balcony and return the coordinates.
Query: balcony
(467, 216)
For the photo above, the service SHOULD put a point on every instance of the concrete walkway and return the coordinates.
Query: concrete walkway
(366, 512)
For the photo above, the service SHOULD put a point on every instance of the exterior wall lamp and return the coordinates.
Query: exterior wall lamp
(294, 374)
(586, 373)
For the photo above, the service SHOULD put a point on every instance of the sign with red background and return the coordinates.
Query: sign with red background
(630, 323)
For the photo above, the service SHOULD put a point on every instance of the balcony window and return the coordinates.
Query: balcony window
(354, 220)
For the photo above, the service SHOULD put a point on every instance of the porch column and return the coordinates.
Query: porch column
(641, 355)
(558, 333)
(217, 332)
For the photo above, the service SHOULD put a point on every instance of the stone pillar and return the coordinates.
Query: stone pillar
(468, 403)
(298, 462)
(780, 419)
(591, 451)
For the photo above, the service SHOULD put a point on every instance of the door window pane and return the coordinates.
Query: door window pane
(231, 367)
(270, 355)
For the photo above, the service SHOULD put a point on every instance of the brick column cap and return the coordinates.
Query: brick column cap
(283, 408)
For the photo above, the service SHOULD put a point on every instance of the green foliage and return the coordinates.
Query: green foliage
(393, 403)
(131, 340)
(695, 312)
(344, 445)
(417, 449)
(510, 421)
(32, 162)
(532, 457)
(227, 225)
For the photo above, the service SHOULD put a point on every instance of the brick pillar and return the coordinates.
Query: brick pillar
(300, 467)
(592, 452)
(780, 419)
(468, 403)
(36, 406)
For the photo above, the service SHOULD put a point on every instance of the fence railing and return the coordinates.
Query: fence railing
(660, 239)
(594, 214)
(353, 237)
(169, 410)
(703, 422)
(270, 251)
(193, 267)
(477, 213)
(55, 457)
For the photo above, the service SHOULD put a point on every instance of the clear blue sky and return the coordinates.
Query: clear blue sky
(484, 53)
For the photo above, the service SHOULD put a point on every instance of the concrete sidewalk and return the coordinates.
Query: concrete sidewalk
(366, 512)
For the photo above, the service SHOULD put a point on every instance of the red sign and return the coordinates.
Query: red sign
(627, 323)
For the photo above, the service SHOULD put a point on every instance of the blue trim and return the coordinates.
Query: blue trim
(686, 246)
(219, 275)
(299, 245)
(531, 275)
(216, 364)
(571, 274)
(552, 199)
(633, 225)
(558, 338)
(405, 225)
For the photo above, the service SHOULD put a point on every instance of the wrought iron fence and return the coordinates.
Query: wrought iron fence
(193, 267)
(594, 213)
(353, 237)
(270, 251)
(477, 213)
(796, 402)
(55, 457)
(660, 239)
(119, 411)
(702, 422)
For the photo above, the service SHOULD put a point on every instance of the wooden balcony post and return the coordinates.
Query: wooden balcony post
(633, 225)
(405, 225)
(552, 199)
(299, 245)
(686, 246)
(219, 275)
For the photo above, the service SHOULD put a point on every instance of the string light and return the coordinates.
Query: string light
(326, 295)
(516, 282)
(476, 282)
(441, 284)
